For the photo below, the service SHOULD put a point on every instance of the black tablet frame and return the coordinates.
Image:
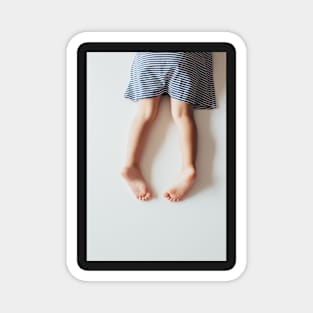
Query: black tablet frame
(82, 51)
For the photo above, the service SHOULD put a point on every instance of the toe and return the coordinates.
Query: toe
(177, 198)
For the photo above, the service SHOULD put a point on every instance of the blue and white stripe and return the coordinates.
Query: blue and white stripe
(186, 76)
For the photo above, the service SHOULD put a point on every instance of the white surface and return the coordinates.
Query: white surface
(119, 226)
(32, 123)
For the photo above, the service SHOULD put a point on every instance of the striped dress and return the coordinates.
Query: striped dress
(186, 76)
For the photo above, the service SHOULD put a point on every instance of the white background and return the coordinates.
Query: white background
(32, 120)
(119, 227)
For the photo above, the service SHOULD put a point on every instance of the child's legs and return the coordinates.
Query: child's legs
(182, 113)
(146, 114)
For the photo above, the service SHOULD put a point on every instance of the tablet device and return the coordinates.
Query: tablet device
(110, 234)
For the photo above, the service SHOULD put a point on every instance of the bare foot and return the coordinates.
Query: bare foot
(136, 182)
(178, 191)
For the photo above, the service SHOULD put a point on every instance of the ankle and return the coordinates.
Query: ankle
(189, 171)
(131, 165)
(128, 169)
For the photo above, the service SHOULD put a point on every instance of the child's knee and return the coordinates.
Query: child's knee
(182, 113)
(148, 113)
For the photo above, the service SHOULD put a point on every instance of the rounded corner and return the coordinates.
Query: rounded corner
(237, 270)
(76, 40)
(76, 271)
(236, 41)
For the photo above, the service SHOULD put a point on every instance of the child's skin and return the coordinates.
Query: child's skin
(182, 114)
